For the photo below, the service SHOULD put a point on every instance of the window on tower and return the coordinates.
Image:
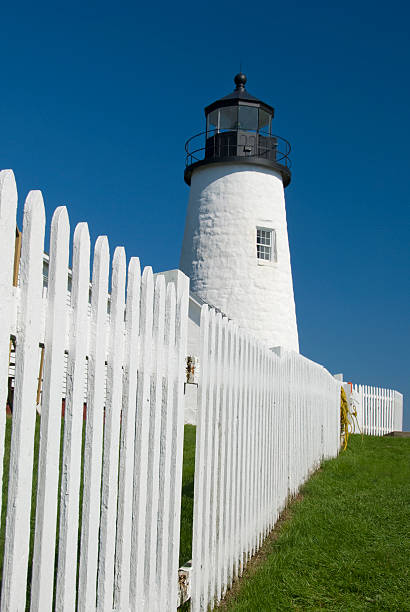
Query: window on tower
(266, 244)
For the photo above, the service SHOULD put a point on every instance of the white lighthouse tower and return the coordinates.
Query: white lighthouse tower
(235, 248)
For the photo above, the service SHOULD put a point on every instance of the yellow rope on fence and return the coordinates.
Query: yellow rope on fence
(348, 418)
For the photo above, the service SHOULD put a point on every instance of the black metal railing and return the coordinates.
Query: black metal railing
(237, 143)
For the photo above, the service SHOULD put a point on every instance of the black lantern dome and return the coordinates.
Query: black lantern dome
(238, 129)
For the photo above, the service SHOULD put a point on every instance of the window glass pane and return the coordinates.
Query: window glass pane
(265, 239)
(228, 118)
(212, 122)
(264, 121)
(248, 118)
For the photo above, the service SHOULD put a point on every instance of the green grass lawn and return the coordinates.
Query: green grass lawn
(187, 500)
(345, 544)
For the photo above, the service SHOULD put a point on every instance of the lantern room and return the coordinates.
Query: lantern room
(238, 129)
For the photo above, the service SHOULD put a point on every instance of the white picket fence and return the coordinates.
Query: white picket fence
(107, 511)
(379, 411)
(265, 421)
(128, 546)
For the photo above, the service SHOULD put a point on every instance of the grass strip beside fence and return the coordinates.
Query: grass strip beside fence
(345, 541)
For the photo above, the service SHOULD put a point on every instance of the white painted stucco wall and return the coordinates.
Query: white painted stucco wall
(227, 203)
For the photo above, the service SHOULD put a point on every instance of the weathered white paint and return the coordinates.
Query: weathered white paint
(256, 407)
(164, 535)
(126, 467)
(154, 441)
(137, 590)
(227, 203)
(94, 429)
(112, 423)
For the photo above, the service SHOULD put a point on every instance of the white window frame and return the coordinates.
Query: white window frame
(266, 244)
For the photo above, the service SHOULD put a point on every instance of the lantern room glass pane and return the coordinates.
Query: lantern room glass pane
(228, 118)
(264, 121)
(248, 118)
(212, 122)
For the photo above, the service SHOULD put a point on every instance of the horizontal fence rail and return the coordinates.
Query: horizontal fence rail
(106, 496)
(266, 419)
(379, 411)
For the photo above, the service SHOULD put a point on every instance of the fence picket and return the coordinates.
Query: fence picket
(109, 489)
(181, 323)
(153, 484)
(16, 549)
(8, 208)
(223, 463)
(201, 465)
(214, 457)
(231, 474)
(164, 542)
(73, 424)
(94, 429)
(126, 465)
(49, 454)
(141, 443)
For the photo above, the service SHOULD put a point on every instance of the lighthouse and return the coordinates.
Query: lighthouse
(235, 248)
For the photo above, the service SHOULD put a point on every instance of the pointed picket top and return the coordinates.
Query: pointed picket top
(148, 281)
(81, 239)
(159, 298)
(8, 197)
(100, 264)
(133, 289)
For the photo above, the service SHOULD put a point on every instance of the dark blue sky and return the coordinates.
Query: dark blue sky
(97, 100)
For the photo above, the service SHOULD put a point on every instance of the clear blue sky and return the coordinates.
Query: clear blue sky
(97, 100)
